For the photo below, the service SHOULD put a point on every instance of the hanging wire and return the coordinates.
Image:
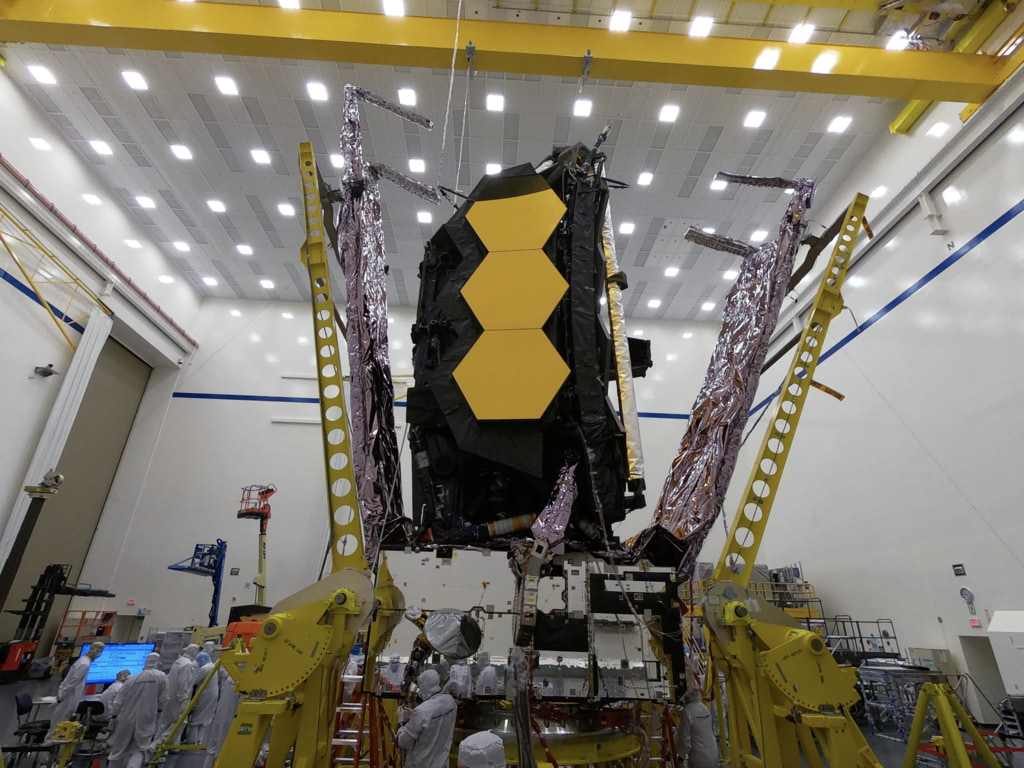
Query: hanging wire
(462, 135)
(451, 85)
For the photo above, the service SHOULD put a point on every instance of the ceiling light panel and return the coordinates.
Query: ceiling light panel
(338, 161)
(393, 7)
(42, 144)
(261, 156)
(135, 81)
(759, 235)
(801, 34)
(839, 124)
(245, 250)
(181, 152)
(289, 4)
(645, 179)
(730, 274)
(182, 246)
(133, 243)
(216, 206)
(226, 85)
(701, 26)
(754, 119)
(317, 91)
(286, 209)
(938, 130)
(707, 306)
(416, 165)
(145, 202)
(492, 169)
(101, 147)
(268, 284)
(620, 20)
(42, 74)
(626, 228)
(878, 192)
(92, 199)
(582, 107)
(899, 41)
(210, 281)
(654, 303)
(718, 185)
(495, 102)
(669, 113)
(165, 279)
(407, 97)
(671, 271)
(424, 217)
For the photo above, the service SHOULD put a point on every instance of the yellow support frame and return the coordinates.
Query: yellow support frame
(948, 711)
(737, 560)
(271, 32)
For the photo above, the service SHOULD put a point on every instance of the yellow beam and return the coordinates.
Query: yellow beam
(969, 43)
(273, 32)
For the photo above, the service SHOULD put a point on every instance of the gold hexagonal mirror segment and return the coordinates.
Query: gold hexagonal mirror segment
(516, 223)
(514, 290)
(511, 375)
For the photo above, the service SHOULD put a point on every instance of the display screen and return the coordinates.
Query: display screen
(115, 657)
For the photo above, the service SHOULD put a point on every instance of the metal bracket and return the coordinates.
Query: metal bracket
(470, 54)
(932, 214)
(587, 61)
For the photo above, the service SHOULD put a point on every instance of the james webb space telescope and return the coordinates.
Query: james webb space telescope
(515, 444)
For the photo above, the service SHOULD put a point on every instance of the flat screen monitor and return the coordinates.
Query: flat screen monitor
(115, 657)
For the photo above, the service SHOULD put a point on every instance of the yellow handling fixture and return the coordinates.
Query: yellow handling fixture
(788, 699)
(951, 716)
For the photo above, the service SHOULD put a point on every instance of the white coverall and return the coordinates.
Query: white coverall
(179, 689)
(427, 737)
(69, 694)
(138, 705)
(202, 713)
(109, 696)
(487, 676)
(227, 705)
(696, 734)
(482, 750)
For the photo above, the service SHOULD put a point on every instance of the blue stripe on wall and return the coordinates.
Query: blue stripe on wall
(945, 264)
(9, 278)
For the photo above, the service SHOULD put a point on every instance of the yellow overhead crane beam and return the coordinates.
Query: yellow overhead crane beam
(501, 46)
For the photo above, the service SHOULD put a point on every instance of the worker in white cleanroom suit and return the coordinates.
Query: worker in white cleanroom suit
(486, 675)
(427, 737)
(696, 736)
(202, 713)
(110, 692)
(460, 680)
(69, 694)
(482, 750)
(179, 690)
(227, 707)
(138, 706)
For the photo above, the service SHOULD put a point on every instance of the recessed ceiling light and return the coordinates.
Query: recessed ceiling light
(492, 169)
(638, 332)
(290, 4)
(424, 217)
(91, 199)
(701, 26)
(145, 202)
(101, 147)
(767, 59)
(899, 41)
(181, 246)
(235, 313)
(619, 21)
(825, 63)
(952, 195)
(181, 151)
(671, 271)
(287, 315)
(165, 279)
(42, 144)
(719, 184)
(42, 74)
(754, 119)
(759, 235)
(286, 209)
(654, 303)
(645, 178)
(730, 274)
(789, 191)
(855, 281)
(938, 130)
(338, 161)
(878, 191)
(801, 33)
(210, 281)
(226, 85)
(261, 156)
(216, 206)
(407, 97)
(317, 91)
(416, 165)
(1016, 135)
(669, 113)
(135, 81)
(707, 306)
(839, 124)
(133, 243)
(582, 107)
(268, 284)
(708, 230)
(245, 250)
(495, 102)
(687, 335)
(394, 8)
(391, 321)
(626, 228)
